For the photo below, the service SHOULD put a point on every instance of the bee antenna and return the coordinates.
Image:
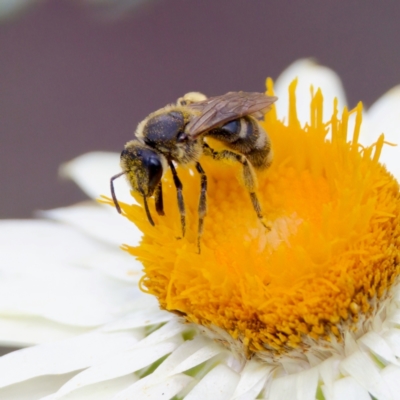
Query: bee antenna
(146, 207)
(114, 197)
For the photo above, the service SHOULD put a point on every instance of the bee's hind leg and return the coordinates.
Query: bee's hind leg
(202, 203)
(248, 176)
(181, 204)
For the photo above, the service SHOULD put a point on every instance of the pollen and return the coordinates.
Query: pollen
(328, 261)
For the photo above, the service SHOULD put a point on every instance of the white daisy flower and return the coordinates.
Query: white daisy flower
(310, 310)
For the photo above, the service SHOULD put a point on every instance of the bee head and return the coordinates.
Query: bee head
(165, 131)
(143, 167)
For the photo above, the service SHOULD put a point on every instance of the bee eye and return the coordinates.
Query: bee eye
(124, 153)
(154, 169)
(145, 164)
(181, 137)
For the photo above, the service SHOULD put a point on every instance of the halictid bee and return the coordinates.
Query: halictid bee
(176, 134)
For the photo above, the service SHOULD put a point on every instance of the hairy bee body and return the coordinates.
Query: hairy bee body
(164, 131)
(178, 134)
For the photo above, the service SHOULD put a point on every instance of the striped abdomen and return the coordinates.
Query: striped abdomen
(246, 136)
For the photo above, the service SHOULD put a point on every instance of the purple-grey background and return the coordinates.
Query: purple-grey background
(72, 82)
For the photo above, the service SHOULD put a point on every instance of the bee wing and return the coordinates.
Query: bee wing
(216, 111)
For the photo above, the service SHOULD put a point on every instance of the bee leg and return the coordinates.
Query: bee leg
(248, 175)
(181, 204)
(202, 203)
(146, 207)
(114, 197)
(159, 199)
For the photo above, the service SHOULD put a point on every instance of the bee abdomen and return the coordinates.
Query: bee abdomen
(246, 136)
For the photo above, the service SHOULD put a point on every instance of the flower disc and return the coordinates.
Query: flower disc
(327, 263)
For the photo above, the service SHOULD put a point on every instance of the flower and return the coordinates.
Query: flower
(102, 337)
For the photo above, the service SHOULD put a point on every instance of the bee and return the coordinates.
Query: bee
(177, 135)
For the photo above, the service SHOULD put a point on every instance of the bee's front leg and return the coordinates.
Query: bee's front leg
(114, 197)
(158, 197)
(181, 204)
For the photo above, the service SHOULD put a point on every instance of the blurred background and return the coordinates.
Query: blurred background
(77, 76)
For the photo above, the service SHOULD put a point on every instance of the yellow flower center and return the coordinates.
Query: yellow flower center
(328, 261)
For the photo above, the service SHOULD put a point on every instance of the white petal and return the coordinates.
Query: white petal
(92, 172)
(92, 219)
(122, 364)
(41, 277)
(254, 392)
(365, 372)
(166, 389)
(292, 366)
(392, 338)
(396, 295)
(307, 382)
(189, 355)
(283, 388)
(34, 389)
(218, 384)
(309, 73)
(391, 376)
(112, 228)
(62, 357)
(394, 318)
(350, 344)
(23, 331)
(71, 296)
(384, 117)
(348, 388)
(99, 391)
(116, 263)
(253, 373)
(329, 372)
(169, 330)
(27, 247)
(377, 345)
(139, 318)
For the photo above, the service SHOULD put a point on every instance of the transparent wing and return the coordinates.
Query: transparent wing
(216, 111)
